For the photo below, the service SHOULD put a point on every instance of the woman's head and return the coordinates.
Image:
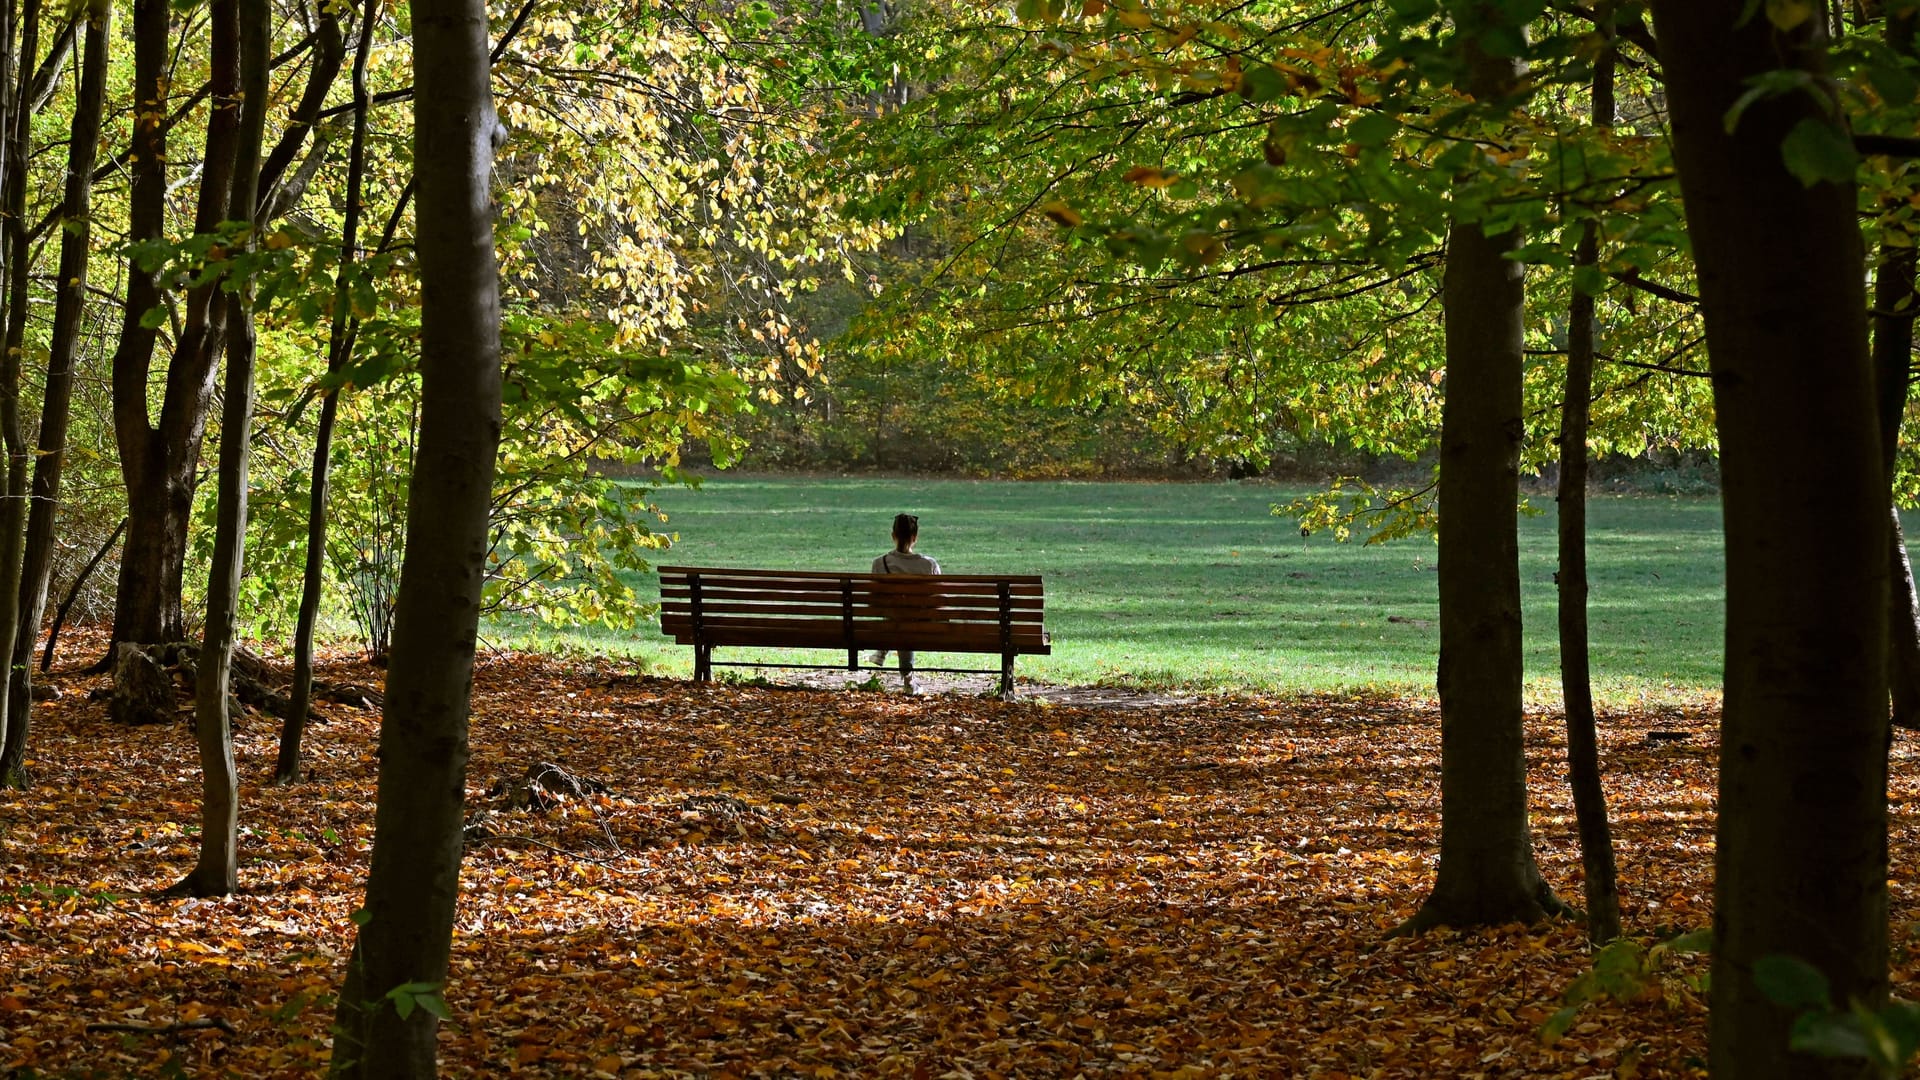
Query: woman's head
(906, 529)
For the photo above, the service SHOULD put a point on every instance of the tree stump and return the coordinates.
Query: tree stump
(142, 689)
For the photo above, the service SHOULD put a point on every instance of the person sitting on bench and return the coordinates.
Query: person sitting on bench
(903, 560)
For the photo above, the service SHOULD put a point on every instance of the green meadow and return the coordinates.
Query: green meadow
(1200, 587)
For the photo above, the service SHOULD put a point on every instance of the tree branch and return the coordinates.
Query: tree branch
(1654, 288)
(1894, 146)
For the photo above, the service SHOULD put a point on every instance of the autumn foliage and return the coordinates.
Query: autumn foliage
(782, 882)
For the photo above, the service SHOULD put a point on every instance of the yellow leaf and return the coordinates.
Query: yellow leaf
(1062, 213)
(1787, 14)
(1139, 20)
(1148, 176)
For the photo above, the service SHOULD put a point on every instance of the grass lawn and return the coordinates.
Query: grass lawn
(1198, 586)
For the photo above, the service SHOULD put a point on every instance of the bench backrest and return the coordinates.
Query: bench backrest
(955, 612)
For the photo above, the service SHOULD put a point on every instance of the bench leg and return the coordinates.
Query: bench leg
(1006, 677)
(906, 670)
(702, 663)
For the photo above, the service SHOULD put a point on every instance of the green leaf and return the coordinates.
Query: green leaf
(1894, 83)
(1590, 280)
(1816, 151)
(1831, 1035)
(1262, 83)
(1373, 129)
(360, 917)
(434, 1004)
(1792, 982)
(1557, 1025)
(1694, 941)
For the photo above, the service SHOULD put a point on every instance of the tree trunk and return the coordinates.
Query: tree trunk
(1576, 681)
(1487, 873)
(1801, 846)
(286, 769)
(1893, 311)
(138, 613)
(329, 51)
(217, 872)
(415, 871)
(15, 129)
(160, 462)
(69, 306)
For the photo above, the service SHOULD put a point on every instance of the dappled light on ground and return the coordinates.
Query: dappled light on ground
(793, 882)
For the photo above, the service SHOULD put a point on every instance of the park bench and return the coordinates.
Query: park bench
(709, 607)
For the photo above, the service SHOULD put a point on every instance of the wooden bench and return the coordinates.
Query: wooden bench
(709, 607)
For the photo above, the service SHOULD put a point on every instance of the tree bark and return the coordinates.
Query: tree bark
(1893, 311)
(286, 769)
(70, 298)
(407, 936)
(1801, 845)
(1576, 681)
(217, 872)
(1487, 873)
(15, 129)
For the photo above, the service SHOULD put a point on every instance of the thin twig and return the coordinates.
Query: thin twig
(202, 1023)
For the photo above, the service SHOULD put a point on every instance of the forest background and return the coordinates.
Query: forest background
(1046, 241)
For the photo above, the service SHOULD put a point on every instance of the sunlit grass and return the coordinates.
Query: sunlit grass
(1198, 586)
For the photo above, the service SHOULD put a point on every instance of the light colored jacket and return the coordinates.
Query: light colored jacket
(905, 562)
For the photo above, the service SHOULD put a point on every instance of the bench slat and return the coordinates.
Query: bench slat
(952, 612)
(859, 585)
(755, 576)
(859, 593)
(870, 628)
(832, 638)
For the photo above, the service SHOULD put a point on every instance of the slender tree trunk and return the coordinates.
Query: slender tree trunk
(286, 769)
(69, 307)
(415, 873)
(217, 872)
(15, 129)
(1801, 844)
(329, 51)
(1583, 744)
(73, 593)
(1487, 873)
(1893, 312)
(160, 462)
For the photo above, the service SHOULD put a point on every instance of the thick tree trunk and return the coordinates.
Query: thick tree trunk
(1576, 681)
(69, 306)
(1487, 874)
(286, 769)
(1893, 311)
(415, 870)
(217, 872)
(15, 127)
(1801, 847)
(160, 462)
(140, 612)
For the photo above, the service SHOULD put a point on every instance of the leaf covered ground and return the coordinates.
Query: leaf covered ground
(783, 882)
